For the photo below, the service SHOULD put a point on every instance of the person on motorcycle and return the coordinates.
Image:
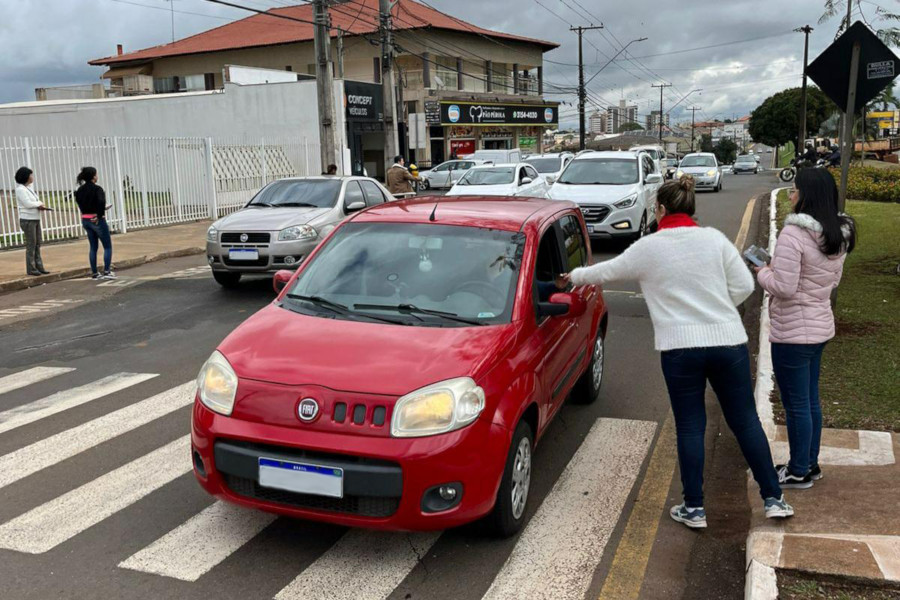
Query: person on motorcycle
(810, 155)
(834, 159)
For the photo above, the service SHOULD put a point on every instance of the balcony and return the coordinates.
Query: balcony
(502, 84)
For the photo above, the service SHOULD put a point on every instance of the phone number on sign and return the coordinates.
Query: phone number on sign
(525, 114)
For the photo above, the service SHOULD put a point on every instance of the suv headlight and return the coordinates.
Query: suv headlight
(217, 384)
(711, 173)
(299, 232)
(212, 234)
(437, 408)
(626, 202)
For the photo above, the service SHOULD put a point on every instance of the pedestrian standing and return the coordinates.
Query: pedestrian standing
(91, 201)
(30, 207)
(806, 267)
(692, 279)
(398, 177)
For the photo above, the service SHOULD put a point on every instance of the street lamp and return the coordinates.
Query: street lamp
(613, 58)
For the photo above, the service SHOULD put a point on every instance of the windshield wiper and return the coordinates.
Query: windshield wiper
(339, 308)
(260, 204)
(302, 204)
(411, 308)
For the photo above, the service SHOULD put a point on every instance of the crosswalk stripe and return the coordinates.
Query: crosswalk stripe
(49, 451)
(48, 525)
(563, 543)
(29, 377)
(199, 544)
(362, 565)
(64, 400)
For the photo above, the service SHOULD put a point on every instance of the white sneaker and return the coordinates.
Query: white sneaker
(109, 275)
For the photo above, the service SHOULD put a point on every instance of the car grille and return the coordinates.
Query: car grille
(364, 506)
(262, 261)
(594, 214)
(230, 237)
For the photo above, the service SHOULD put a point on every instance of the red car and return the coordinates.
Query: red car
(405, 372)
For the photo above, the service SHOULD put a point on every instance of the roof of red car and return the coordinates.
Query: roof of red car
(490, 212)
(357, 17)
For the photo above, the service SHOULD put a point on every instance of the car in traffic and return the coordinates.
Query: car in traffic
(283, 222)
(550, 166)
(616, 191)
(656, 152)
(447, 173)
(405, 373)
(704, 168)
(745, 164)
(670, 167)
(513, 179)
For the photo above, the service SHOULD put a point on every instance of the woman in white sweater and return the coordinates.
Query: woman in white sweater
(692, 279)
(30, 221)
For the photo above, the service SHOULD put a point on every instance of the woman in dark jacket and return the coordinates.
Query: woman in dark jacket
(91, 201)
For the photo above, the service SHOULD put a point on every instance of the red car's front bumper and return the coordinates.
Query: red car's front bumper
(385, 478)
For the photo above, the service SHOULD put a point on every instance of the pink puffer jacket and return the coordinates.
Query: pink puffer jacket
(800, 280)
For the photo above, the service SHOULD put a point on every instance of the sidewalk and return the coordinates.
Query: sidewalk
(66, 260)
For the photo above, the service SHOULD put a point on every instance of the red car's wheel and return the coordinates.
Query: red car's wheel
(587, 388)
(512, 497)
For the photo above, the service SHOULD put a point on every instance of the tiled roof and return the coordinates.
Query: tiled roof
(355, 17)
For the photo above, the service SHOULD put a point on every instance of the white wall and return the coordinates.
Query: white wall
(255, 75)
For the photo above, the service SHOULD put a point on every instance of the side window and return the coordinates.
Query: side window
(573, 241)
(531, 173)
(373, 194)
(467, 165)
(648, 166)
(352, 194)
(547, 266)
(442, 168)
(455, 166)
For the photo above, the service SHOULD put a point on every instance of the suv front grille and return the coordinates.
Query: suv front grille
(594, 214)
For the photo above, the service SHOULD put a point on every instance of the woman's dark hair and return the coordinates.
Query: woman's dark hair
(819, 199)
(87, 174)
(23, 174)
(677, 196)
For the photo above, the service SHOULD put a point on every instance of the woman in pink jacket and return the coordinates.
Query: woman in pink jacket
(807, 266)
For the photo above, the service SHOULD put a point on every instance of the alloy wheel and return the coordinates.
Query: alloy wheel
(521, 478)
(597, 364)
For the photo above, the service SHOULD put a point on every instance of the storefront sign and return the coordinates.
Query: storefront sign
(462, 147)
(364, 101)
(478, 114)
(496, 133)
(432, 112)
(462, 132)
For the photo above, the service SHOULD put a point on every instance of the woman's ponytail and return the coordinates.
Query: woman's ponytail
(87, 174)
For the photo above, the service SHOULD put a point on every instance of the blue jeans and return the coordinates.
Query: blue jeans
(797, 373)
(727, 368)
(97, 234)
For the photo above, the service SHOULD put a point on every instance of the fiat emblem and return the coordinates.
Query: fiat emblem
(244, 237)
(308, 410)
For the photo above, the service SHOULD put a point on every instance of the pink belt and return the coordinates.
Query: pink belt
(88, 216)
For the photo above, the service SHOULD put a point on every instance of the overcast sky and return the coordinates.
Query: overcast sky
(48, 42)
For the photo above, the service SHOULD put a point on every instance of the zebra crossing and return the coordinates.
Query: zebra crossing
(555, 556)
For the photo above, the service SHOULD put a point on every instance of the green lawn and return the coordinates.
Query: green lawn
(785, 154)
(802, 586)
(861, 365)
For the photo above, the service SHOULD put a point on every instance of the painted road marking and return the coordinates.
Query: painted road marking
(118, 282)
(60, 401)
(37, 307)
(40, 455)
(633, 551)
(741, 238)
(45, 527)
(558, 552)
(29, 377)
(196, 546)
(362, 565)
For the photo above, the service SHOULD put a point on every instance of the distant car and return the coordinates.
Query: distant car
(656, 152)
(745, 164)
(671, 167)
(756, 157)
(520, 179)
(284, 222)
(768, 151)
(447, 173)
(616, 192)
(550, 166)
(704, 168)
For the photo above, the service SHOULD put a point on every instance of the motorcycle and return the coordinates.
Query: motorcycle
(787, 174)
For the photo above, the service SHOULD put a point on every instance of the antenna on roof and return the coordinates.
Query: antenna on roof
(433, 210)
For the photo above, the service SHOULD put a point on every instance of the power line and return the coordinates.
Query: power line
(262, 12)
(182, 12)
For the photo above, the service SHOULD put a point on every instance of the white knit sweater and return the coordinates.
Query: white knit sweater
(692, 279)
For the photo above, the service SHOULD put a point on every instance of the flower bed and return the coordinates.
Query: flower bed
(872, 184)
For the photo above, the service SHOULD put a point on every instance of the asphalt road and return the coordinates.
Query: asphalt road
(97, 499)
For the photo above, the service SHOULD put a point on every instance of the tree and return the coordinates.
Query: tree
(886, 98)
(726, 151)
(888, 35)
(706, 143)
(630, 126)
(777, 120)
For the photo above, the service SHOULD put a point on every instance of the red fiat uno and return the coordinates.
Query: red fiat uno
(406, 371)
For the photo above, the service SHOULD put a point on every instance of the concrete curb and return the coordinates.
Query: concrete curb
(13, 285)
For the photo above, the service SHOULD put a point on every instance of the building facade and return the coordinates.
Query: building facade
(597, 122)
(616, 116)
(653, 121)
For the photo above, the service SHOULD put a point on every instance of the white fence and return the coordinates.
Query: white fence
(149, 182)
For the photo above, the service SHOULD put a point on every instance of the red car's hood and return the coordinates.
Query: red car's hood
(280, 346)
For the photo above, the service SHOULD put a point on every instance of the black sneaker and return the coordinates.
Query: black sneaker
(96, 276)
(815, 473)
(788, 480)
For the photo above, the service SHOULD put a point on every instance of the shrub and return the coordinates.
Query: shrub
(872, 184)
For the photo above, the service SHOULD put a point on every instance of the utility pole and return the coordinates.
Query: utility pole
(693, 110)
(582, 93)
(340, 53)
(324, 85)
(387, 79)
(806, 30)
(661, 87)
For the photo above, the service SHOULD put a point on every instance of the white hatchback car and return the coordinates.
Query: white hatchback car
(616, 192)
(550, 166)
(520, 179)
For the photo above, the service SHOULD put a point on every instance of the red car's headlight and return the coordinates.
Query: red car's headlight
(217, 384)
(437, 408)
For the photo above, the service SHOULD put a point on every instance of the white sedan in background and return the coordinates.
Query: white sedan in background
(520, 179)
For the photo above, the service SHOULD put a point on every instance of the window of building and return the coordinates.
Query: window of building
(289, 68)
(164, 85)
(209, 81)
(376, 66)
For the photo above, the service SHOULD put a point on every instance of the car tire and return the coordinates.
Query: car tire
(643, 229)
(509, 512)
(227, 279)
(587, 388)
(426, 185)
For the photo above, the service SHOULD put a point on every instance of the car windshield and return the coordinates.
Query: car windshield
(320, 193)
(411, 272)
(545, 165)
(601, 171)
(488, 176)
(698, 161)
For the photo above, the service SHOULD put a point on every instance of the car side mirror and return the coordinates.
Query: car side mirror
(281, 279)
(354, 207)
(653, 178)
(551, 178)
(575, 305)
(525, 181)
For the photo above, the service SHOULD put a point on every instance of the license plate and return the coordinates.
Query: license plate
(301, 478)
(590, 228)
(241, 254)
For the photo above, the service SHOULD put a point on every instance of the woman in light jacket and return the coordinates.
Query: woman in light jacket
(806, 268)
(693, 278)
(30, 207)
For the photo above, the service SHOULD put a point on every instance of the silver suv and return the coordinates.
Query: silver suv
(284, 222)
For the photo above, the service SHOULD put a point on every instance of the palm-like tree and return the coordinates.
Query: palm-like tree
(886, 98)
(888, 35)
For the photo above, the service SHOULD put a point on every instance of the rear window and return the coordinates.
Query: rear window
(488, 176)
(546, 165)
